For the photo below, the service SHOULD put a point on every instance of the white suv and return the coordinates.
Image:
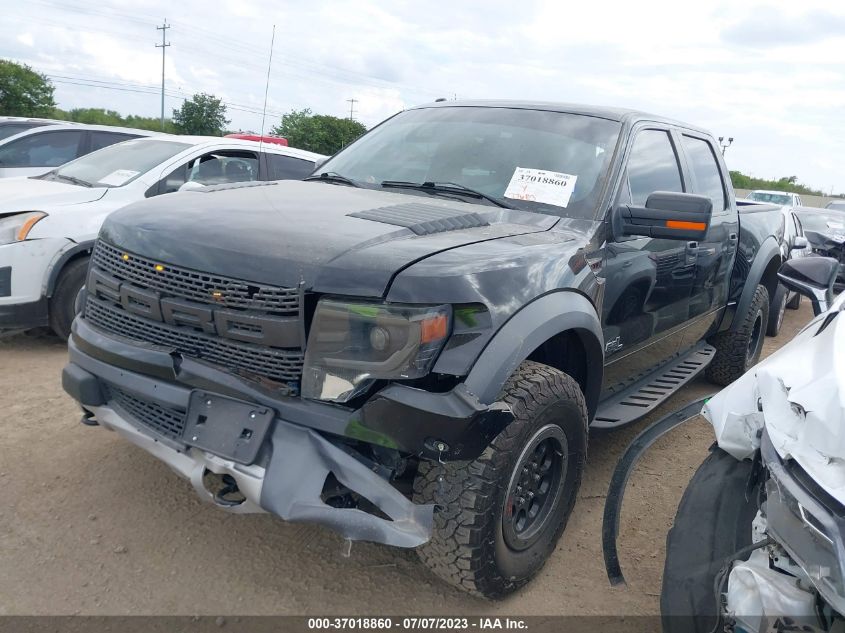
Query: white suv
(29, 147)
(48, 223)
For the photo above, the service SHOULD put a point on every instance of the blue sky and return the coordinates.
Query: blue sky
(770, 74)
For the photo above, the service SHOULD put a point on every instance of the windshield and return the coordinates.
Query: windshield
(482, 149)
(120, 164)
(822, 222)
(835, 206)
(771, 198)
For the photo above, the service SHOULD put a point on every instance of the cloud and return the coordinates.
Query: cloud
(26, 39)
(770, 27)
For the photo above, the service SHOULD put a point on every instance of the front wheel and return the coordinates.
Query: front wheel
(499, 517)
(63, 301)
(713, 523)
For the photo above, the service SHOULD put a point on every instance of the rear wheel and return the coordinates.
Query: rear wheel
(62, 303)
(776, 311)
(499, 517)
(714, 521)
(739, 349)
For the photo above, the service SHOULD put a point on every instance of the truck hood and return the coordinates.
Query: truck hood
(330, 238)
(32, 194)
(798, 394)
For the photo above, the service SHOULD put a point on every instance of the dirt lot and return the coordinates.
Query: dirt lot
(92, 525)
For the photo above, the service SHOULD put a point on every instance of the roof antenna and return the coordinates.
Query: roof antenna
(266, 90)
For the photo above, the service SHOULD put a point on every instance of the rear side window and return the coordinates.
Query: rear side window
(42, 149)
(288, 168)
(652, 166)
(705, 169)
(99, 140)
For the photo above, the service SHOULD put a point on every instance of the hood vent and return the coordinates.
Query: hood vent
(423, 219)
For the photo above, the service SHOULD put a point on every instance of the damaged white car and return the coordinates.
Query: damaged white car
(758, 542)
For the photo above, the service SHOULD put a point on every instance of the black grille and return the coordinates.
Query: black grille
(6, 281)
(279, 364)
(197, 286)
(167, 422)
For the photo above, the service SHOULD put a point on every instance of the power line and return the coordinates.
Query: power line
(163, 46)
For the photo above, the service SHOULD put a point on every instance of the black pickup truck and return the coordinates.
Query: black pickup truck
(412, 346)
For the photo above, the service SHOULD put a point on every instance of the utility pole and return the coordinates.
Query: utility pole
(352, 103)
(163, 46)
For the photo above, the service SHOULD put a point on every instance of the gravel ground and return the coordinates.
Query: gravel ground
(93, 525)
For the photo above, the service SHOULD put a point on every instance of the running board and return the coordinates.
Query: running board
(645, 395)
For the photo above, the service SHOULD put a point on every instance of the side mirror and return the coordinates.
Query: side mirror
(799, 243)
(668, 215)
(812, 277)
(191, 185)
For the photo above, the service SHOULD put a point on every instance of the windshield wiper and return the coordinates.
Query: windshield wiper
(333, 176)
(445, 187)
(73, 179)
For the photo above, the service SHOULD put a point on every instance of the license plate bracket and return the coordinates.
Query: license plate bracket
(232, 429)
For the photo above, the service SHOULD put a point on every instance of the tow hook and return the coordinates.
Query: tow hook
(88, 419)
(227, 493)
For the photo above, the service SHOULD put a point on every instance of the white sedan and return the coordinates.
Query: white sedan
(48, 223)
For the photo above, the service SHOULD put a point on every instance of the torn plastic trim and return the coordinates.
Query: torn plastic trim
(301, 461)
(291, 483)
(619, 481)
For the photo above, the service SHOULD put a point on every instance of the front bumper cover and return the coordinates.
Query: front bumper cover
(288, 482)
(300, 450)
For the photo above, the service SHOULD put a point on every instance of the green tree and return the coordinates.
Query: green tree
(24, 92)
(321, 133)
(203, 114)
(787, 183)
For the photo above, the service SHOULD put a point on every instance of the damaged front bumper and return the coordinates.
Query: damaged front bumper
(121, 383)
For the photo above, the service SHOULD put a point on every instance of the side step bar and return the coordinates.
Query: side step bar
(647, 394)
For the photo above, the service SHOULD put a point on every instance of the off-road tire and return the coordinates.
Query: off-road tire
(794, 303)
(714, 520)
(62, 303)
(469, 547)
(732, 357)
(776, 311)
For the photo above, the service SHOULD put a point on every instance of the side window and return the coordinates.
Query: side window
(214, 168)
(288, 168)
(708, 179)
(652, 166)
(42, 149)
(99, 140)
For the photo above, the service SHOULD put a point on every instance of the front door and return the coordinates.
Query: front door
(648, 282)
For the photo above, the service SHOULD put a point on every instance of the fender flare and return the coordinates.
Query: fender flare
(528, 329)
(769, 250)
(62, 260)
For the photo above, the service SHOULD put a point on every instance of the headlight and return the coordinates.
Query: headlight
(15, 228)
(353, 344)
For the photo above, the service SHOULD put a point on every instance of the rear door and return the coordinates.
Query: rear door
(715, 253)
(281, 167)
(648, 281)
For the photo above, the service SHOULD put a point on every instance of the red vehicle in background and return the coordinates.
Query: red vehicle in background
(277, 140)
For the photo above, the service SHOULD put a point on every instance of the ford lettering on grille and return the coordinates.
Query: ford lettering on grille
(272, 331)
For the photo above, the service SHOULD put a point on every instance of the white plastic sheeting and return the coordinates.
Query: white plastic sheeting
(799, 394)
(757, 596)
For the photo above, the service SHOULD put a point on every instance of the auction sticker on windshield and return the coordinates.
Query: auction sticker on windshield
(539, 185)
(118, 177)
